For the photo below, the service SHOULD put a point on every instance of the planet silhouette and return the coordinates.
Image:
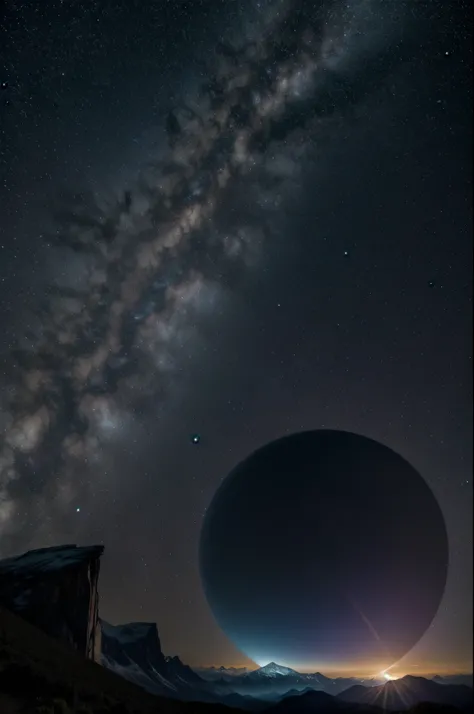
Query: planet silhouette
(324, 550)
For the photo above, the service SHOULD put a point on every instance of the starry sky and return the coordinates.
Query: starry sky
(230, 221)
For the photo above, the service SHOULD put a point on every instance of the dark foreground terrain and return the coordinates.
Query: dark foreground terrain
(42, 675)
(39, 675)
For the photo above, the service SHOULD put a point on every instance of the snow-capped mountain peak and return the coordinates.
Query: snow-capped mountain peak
(272, 669)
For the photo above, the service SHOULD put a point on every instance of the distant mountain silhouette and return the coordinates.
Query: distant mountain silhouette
(212, 673)
(401, 694)
(275, 681)
(454, 679)
(322, 703)
(311, 701)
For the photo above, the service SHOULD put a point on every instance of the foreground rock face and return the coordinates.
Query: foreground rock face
(37, 670)
(56, 589)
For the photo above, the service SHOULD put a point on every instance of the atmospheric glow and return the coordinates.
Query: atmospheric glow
(389, 677)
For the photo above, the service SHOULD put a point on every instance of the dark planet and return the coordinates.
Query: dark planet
(324, 549)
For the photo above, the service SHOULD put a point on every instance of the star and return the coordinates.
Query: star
(195, 438)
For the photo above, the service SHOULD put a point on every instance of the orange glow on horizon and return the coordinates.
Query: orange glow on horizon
(365, 670)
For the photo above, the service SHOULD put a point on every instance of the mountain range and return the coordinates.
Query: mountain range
(275, 680)
(453, 679)
(406, 692)
(212, 673)
(54, 644)
(134, 651)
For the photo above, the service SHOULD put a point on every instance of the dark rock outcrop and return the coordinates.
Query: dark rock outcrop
(56, 589)
(42, 673)
(179, 672)
(134, 651)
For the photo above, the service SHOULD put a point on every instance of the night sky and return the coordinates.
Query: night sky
(297, 256)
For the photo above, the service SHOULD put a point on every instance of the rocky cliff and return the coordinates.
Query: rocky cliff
(134, 651)
(56, 589)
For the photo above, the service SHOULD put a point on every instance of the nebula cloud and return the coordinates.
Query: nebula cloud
(134, 277)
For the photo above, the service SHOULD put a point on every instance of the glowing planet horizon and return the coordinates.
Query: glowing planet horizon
(324, 548)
